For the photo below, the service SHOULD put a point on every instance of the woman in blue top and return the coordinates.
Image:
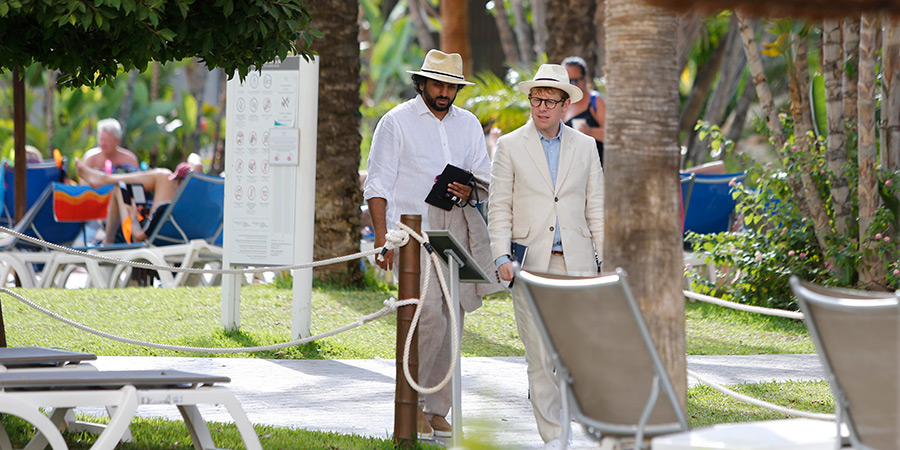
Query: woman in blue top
(591, 107)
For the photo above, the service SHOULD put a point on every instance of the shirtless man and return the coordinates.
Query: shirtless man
(109, 135)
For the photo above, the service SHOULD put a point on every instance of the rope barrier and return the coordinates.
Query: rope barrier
(742, 307)
(432, 264)
(390, 306)
(760, 403)
(394, 240)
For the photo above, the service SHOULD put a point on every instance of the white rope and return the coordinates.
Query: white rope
(390, 305)
(432, 264)
(395, 240)
(760, 403)
(742, 307)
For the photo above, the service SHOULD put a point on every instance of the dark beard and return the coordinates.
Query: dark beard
(432, 102)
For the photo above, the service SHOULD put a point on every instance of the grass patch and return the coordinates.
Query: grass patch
(706, 406)
(155, 433)
(715, 330)
(190, 316)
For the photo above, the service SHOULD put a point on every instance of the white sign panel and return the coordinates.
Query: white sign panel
(262, 128)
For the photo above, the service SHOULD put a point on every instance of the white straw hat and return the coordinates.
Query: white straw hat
(553, 76)
(442, 67)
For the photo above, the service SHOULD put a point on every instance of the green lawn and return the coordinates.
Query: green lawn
(190, 316)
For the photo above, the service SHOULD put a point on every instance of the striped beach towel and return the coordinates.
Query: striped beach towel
(73, 203)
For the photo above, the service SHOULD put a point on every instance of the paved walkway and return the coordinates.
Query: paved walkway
(357, 396)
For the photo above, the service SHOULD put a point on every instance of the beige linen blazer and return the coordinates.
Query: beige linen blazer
(525, 205)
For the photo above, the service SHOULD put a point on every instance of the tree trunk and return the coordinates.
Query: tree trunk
(767, 102)
(890, 91)
(850, 75)
(599, 68)
(338, 192)
(834, 105)
(643, 226)
(455, 35)
(507, 39)
(699, 92)
(49, 94)
(423, 35)
(870, 274)
(688, 30)
(734, 130)
(754, 62)
(732, 70)
(802, 128)
(539, 25)
(570, 30)
(523, 32)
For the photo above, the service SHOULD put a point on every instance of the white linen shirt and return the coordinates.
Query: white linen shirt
(411, 147)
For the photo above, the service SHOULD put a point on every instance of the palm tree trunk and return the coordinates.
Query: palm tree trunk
(700, 91)
(338, 193)
(423, 35)
(802, 128)
(890, 89)
(767, 102)
(643, 227)
(455, 35)
(836, 150)
(739, 118)
(688, 30)
(571, 31)
(599, 69)
(732, 69)
(523, 32)
(870, 274)
(507, 39)
(850, 76)
(539, 24)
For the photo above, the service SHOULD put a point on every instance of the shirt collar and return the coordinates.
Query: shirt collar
(422, 108)
(543, 138)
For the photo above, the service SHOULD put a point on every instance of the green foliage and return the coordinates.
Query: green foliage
(497, 101)
(91, 41)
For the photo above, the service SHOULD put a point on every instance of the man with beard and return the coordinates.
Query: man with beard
(412, 144)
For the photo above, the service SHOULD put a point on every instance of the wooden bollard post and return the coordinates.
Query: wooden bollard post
(406, 399)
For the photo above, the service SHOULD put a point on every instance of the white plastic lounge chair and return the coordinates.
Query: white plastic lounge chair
(857, 336)
(30, 261)
(188, 234)
(25, 392)
(612, 379)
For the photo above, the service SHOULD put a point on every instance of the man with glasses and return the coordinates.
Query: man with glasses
(546, 194)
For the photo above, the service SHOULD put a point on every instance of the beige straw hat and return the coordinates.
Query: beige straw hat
(442, 67)
(554, 76)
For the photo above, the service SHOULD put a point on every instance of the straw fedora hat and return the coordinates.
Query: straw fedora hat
(553, 76)
(442, 67)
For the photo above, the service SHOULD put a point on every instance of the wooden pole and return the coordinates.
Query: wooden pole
(406, 399)
(19, 143)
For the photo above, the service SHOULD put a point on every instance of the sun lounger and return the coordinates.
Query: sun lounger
(186, 236)
(612, 379)
(24, 393)
(857, 337)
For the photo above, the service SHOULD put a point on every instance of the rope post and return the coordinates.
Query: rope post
(406, 400)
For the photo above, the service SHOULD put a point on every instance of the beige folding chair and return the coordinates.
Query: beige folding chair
(857, 336)
(610, 376)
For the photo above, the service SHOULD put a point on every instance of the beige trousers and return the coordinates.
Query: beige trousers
(435, 352)
(543, 385)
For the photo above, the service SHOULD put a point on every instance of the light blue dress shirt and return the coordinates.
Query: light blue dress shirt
(551, 152)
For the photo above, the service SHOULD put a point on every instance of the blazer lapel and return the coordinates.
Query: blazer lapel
(536, 151)
(566, 155)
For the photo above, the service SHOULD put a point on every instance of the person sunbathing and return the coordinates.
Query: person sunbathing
(124, 223)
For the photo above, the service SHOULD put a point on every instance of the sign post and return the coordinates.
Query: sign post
(270, 161)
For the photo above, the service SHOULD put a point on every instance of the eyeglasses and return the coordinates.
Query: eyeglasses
(548, 102)
(575, 80)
